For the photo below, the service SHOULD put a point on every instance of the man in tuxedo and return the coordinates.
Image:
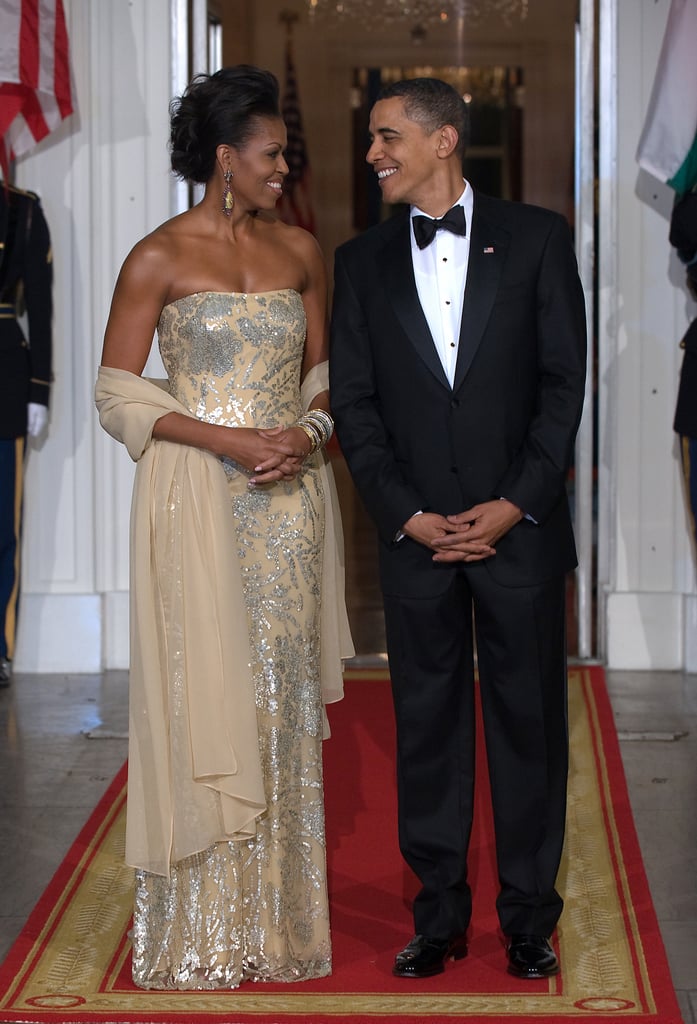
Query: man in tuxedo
(457, 378)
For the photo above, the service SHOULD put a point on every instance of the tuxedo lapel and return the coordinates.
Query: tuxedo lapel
(397, 274)
(488, 247)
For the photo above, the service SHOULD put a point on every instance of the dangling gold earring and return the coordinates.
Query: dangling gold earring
(228, 198)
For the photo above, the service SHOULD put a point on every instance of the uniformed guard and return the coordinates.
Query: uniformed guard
(25, 380)
(683, 236)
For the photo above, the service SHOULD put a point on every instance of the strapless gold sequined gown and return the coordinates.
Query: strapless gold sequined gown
(253, 909)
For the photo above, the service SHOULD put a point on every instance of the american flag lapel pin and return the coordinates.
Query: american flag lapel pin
(488, 249)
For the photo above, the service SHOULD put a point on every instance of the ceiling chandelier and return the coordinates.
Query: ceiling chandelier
(387, 12)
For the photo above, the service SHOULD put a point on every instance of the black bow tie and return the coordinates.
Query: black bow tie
(425, 227)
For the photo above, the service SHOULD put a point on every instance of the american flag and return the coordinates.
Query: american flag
(35, 87)
(295, 206)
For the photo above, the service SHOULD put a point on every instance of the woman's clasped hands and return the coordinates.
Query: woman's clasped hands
(271, 454)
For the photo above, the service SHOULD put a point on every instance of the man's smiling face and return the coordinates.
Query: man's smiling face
(402, 153)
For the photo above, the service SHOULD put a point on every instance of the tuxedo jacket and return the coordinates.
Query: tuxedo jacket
(26, 272)
(506, 428)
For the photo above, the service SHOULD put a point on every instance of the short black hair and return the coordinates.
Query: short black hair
(432, 103)
(222, 108)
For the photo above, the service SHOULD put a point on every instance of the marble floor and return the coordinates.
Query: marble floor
(63, 737)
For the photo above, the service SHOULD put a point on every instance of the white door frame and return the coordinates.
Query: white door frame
(584, 188)
(607, 302)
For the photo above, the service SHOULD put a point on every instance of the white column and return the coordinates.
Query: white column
(646, 566)
(104, 183)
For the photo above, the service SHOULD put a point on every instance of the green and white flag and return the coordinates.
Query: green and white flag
(668, 143)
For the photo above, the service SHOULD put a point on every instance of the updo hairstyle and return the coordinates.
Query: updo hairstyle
(218, 109)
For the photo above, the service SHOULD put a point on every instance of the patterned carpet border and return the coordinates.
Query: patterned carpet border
(71, 963)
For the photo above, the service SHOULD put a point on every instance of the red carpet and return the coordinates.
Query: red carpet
(71, 963)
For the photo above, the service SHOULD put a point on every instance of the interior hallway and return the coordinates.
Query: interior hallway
(63, 737)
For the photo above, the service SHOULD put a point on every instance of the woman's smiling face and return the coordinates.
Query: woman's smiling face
(259, 166)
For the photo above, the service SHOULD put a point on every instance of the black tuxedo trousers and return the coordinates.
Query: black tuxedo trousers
(522, 684)
(505, 429)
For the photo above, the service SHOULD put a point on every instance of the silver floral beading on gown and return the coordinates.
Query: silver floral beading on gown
(254, 909)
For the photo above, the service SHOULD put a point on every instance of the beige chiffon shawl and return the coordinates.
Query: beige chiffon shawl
(188, 617)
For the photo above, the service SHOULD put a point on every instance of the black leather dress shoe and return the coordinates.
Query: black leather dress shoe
(424, 957)
(531, 956)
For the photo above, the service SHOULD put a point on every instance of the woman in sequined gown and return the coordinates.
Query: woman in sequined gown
(225, 815)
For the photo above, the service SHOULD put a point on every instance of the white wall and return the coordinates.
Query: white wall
(103, 180)
(646, 566)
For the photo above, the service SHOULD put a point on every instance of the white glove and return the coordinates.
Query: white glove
(37, 415)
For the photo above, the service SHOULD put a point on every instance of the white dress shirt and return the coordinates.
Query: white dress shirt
(440, 271)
